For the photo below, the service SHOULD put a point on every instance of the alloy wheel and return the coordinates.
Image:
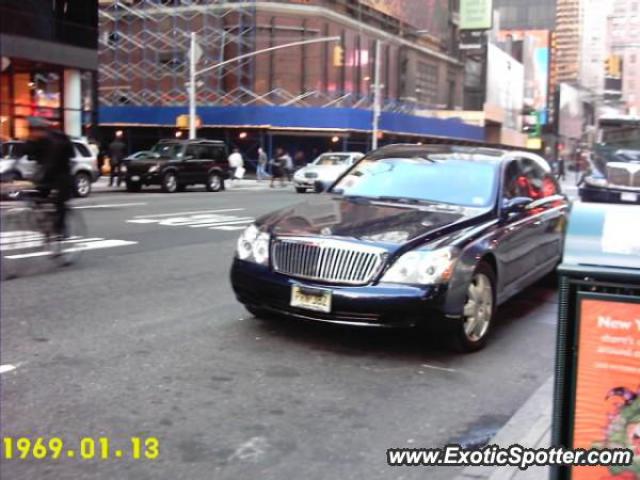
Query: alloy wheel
(479, 307)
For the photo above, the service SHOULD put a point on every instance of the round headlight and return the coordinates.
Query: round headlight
(261, 248)
(246, 241)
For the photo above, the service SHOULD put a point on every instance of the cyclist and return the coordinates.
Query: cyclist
(53, 151)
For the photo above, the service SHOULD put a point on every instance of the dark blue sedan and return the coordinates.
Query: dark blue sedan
(409, 235)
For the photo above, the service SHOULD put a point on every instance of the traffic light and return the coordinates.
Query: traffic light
(338, 56)
(613, 66)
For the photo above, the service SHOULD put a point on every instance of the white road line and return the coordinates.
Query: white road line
(110, 205)
(82, 247)
(235, 221)
(434, 367)
(7, 368)
(228, 229)
(188, 213)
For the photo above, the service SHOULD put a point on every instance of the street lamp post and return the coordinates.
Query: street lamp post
(193, 73)
(376, 98)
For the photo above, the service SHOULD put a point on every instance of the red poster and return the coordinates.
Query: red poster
(607, 409)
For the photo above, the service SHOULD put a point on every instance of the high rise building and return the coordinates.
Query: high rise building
(567, 41)
(526, 14)
(624, 50)
(593, 44)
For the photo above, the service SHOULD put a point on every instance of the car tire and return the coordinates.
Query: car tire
(134, 187)
(214, 182)
(81, 184)
(301, 190)
(256, 312)
(472, 330)
(169, 182)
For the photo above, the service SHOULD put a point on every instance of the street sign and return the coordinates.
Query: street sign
(476, 14)
(182, 121)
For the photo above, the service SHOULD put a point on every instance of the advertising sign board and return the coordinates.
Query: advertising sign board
(476, 14)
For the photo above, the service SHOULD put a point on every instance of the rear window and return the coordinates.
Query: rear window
(13, 150)
(84, 151)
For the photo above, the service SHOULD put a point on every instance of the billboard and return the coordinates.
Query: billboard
(607, 409)
(430, 15)
(505, 85)
(476, 14)
(533, 49)
(571, 113)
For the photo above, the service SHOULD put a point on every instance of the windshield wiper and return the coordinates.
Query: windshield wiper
(406, 200)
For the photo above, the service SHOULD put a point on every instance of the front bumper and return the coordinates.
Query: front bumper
(144, 178)
(383, 305)
(608, 195)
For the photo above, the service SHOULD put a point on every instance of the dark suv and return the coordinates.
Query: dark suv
(176, 164)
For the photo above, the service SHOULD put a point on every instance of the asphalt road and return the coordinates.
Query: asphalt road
(144, 338)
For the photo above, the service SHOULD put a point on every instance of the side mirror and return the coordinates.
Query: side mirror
(320, 187)
(514, 206)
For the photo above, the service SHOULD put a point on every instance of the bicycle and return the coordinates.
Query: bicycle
(29, 231)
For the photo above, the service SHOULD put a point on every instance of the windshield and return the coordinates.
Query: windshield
(438, 178)
(332, 160)
(627, 156)
(167, 150)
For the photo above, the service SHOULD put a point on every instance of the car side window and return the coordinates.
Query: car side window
(512, 184)
(217, 153)
(192, 152)
(532, 179)
(207, 152)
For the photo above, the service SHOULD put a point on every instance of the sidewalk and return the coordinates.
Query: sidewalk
(530, 427)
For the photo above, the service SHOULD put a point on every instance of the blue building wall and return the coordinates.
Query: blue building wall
(294, 118)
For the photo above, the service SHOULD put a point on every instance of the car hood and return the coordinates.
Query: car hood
(378, 222)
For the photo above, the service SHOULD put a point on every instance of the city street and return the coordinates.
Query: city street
(143, 337)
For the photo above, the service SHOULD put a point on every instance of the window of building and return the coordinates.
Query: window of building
(427, 83)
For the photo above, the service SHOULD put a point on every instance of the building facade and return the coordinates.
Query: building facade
(624, 50)
(322, 90)
(48, 65)
(526, 14)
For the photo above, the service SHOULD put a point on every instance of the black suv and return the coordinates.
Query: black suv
(176, 164)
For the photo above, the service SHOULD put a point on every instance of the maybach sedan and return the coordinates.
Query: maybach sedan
(409, 235)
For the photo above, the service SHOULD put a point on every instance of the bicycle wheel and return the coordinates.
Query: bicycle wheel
(20, 239)
(68, 248)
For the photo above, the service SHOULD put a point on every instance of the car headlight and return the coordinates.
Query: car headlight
(253, 246)
(596, 181)
(154, 168)
(123, 169)
(423, 267)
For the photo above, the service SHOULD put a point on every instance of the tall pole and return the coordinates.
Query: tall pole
(376, 98)
(192, 87)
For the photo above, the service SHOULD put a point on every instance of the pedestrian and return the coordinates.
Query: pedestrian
(117, 150)
(287, 164)
(52, 149)
(560, 168)
(261, 171)
(299, 159)
(277, 168)
(236, 163)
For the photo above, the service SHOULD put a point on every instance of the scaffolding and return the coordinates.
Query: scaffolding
(144, 44)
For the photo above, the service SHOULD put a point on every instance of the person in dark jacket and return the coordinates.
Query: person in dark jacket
(117, 152)
(53, 151)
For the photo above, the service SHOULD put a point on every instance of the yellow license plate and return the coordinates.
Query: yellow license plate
(311, 298)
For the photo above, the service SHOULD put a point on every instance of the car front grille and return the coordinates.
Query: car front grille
(327, 260)
(623, 177)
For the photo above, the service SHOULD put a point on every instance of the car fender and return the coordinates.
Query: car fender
(216, 169)
(470, 256)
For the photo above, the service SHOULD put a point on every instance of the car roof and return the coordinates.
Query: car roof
(491, 155)
(194, 140)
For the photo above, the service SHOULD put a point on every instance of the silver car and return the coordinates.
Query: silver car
(15, 165)
(325, 169)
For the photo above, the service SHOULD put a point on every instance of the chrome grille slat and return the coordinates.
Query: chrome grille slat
(327, 260)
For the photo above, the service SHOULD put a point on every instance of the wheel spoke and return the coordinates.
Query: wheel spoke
(470, 308)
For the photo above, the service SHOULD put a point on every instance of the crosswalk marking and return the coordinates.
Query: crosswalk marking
(79, 247)
(194, 212)
(210, 219)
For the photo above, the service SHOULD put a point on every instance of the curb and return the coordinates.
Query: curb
(530, 426)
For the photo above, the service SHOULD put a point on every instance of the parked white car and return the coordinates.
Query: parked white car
(15, 165)
(326, 169)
